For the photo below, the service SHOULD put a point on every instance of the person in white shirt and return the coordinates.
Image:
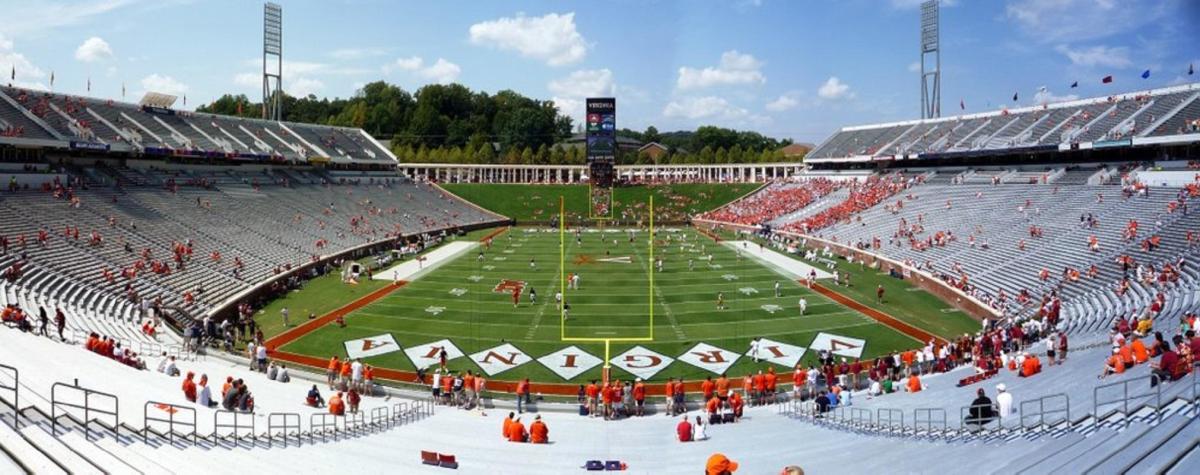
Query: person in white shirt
(803, 305)
(283, 374)
(777, 290)
(171, 369)
(754, 345)
(262, 358)
(204, 395)
(700, 430)
(356, 375)
(874, 389)
(162, 363)
(1004, 401)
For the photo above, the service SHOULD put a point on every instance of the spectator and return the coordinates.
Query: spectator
(205, 397)
(538, 432)
(507, 425)
(1166, 368)
(719, 464)
(1004, 401)
(914, 384)
(353, 398)
(701, 432)
(684, 430)
(1114, 364)
(981, 412)
(516, 432)
(189, 387)
(792, 470)
(283, 376)
(822, 403)
(314, 398)
(336, 406)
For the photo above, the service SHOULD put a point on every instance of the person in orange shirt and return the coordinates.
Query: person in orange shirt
(712, 406)
(760, 388)
(722, 387)
(748, 386)
(1114, 365)
(607, 394)
(516, 432)
(1127, 355)
(914, 383)
(707, 387)
(369, 380)
(593, 392)
(336, 406)
(1140, 353)
(639, 396)
(227, 386)
(538, 432)
(468, 389)
(736, 404)
(799, 379)
(507, 425)
(345, 373)
(772, 380)
(189, 387)
(719, 464)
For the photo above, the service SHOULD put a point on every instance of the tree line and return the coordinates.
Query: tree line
(452, 124)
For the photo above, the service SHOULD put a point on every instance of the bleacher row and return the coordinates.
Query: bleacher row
(267, 227)
(1163, 112)
(46, 116)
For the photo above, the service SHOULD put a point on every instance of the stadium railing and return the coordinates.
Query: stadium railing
(1123, 398)
(283, 425)
(185, 421)
(89, 409)
(1038, 410)
(929, 419)
(237, 426)
(15, 389)
(967, 422)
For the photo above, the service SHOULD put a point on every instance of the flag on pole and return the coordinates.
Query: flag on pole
(239, 108)
(1107, 79)
(51, 78)
(1074, 84)
(13, 76)
(1146, 74)
(962, 105)
(1014, 97)
(89, 86)
(1190, 69)
(122, 90)
(185, 100)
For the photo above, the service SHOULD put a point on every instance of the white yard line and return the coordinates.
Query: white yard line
(413, 269)
(658, 294)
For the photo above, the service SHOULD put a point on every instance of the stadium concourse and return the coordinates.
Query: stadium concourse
(1084, 269)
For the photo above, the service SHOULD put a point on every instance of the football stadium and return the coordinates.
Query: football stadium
(456, 240)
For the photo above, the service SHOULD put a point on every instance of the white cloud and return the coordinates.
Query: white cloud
(551, 38)
(703, 108)
(1116, 57)
(248, 80)
(785, 102)
(1078, 20)
(1044, 96)
(93, 49)
(302, 87)
(835, 89)
(735, 68)
(570, 92)
(28, 75)
(440, 72)
(164, 84)
(914, 67)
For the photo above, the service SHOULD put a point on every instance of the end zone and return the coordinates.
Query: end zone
(791, 268)
(422, 264)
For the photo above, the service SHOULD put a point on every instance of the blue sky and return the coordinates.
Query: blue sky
(797, 69)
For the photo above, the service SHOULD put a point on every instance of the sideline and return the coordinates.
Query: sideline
(295, 333)
(915, 333)
(422, 264)
(793, 269)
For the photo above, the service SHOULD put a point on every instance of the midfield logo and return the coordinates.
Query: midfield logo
(507, 286)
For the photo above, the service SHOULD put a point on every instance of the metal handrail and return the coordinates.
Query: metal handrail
(893, 416)
(965, 419)
(237, 425)
(856, 416)
(1124, 399)
(1042, 412)
(1196, 386)
(283, 421)
(322, 423)
(15, 388)
(929, 418)
(171, 420)
(87, 407)
(354, 421)
(380, 417)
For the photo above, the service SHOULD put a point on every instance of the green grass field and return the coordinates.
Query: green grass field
(613, 302)
(538, 203)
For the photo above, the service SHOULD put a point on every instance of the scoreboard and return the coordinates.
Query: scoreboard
(601, 130)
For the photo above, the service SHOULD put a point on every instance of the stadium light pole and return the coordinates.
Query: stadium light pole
(931, 79)
(272, 102)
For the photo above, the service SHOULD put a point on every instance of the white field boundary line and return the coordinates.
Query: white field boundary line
(548, 301)
(790, 319)
(783, 265)
(413, 269)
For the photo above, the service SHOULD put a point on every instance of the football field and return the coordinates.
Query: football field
(673, 328)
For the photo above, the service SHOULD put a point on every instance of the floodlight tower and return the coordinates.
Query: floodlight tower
(931, 79)
(272, 102)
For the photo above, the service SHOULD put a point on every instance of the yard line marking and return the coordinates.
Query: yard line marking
(658, 293)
